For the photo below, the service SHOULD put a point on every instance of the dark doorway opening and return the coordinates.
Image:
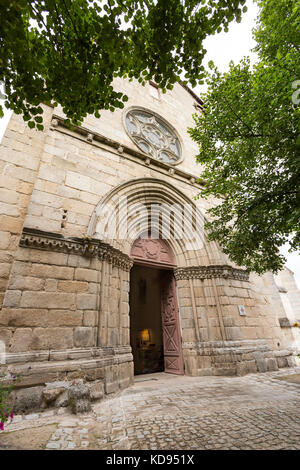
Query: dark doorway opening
(146, 335)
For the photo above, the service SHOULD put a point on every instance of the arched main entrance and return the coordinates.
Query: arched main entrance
(154, 317)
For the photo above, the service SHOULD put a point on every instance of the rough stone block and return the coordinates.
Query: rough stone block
(86, 301)
(51, 338)
(90, 318)
(79, 397)
(4, 240)
(95, 374)
(261, 365)
(243, 368)
(27, 399)
(205, 372)
(97, 391)
(271, 364)
(62, 399)
(12, 298)
(54, 272)
(73, 286)
(82, 274)
(230, 371)
(21, 340)
(48, 300)
(4, 270)
(11, 224)
(50, 395)
(26, 283)
(282, 362)
(83, 337)
(111, 379)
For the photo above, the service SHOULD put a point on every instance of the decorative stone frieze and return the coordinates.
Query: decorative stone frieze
(209, 272)
(37, 239)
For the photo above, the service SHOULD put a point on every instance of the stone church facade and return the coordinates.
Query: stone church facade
(82, 302)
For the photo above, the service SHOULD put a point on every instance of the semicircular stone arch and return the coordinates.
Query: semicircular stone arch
(123, 215)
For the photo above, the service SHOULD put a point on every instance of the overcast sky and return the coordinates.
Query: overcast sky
(222, 48)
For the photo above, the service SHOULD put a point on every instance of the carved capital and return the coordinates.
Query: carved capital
(210, 272)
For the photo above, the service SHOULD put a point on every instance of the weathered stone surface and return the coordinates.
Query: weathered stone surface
(22, 317)
(50, 395)
(271, 364)
(86, 301)
(83, 337)
(282, 362)
(63, 399)
(79, 397)
(51, 338)
(111, 379)
(27, 399)
(82, 274)
(244, 368)
(48, 300)
(21, 340)
(90, 318)
(260, 362)
(95, 374)
(73, 286)
(97, 391)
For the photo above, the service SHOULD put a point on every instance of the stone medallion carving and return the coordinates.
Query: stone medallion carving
(153, 136)
(152, 251)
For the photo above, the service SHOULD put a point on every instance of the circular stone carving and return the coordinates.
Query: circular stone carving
(153, 136)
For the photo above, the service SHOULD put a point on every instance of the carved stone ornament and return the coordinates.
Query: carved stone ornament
(153, 136)
(152, 251)
(209, 272)
(37, 239)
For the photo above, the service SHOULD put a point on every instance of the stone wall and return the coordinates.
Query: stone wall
(20, 153)
(65, 317)
(217, 340)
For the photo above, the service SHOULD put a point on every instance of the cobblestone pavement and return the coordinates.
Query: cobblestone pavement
(161, 411)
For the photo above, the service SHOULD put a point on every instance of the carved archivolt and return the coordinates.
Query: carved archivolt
(37, 239)
(209, 272)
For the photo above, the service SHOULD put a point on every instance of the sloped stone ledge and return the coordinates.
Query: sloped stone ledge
(65, 354)
(37, 239)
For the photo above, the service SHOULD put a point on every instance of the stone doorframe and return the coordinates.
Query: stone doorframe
(155, 253)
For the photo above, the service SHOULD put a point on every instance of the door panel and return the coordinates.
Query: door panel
(170, 325)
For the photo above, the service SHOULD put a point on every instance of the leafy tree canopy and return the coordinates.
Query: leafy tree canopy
(69, 51)
(249, 144)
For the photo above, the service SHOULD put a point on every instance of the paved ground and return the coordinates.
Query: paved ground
(161, 411)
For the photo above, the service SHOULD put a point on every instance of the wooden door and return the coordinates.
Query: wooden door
(170, 325)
